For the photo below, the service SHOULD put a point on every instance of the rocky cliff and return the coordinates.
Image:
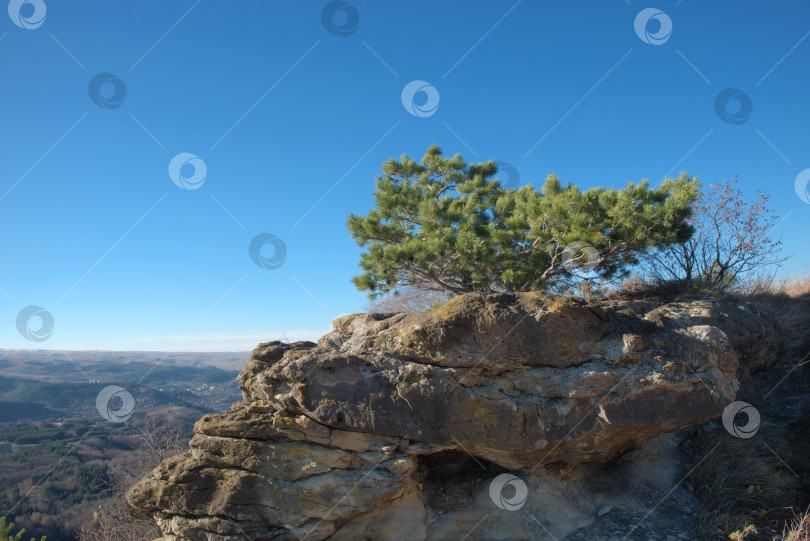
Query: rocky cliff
(491, 417)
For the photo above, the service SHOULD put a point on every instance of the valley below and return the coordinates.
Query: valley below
(62, 463)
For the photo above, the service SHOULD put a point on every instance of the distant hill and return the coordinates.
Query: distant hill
(70, 381)
(66, 366)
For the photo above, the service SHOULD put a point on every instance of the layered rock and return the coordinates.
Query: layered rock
(347, 438)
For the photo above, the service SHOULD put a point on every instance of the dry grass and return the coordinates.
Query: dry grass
(798, 529)
(747, 493)
(791, 287)
(788, 302)
(795, 286)
(637, 288)
(739, 535)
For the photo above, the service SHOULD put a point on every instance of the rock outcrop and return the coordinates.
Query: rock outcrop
(394, 425)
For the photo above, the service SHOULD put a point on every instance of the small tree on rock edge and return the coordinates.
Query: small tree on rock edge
(445, 225)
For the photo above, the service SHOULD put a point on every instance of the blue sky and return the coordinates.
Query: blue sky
(293, 121)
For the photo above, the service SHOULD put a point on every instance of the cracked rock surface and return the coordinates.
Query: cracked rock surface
(393, 425)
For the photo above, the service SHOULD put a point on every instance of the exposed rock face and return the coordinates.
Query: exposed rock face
(750, 331)
(348, 439)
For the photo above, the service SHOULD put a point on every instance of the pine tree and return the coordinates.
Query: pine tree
(5, 532)
(445, 225)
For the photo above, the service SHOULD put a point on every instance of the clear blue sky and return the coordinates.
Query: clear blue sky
(93, 229)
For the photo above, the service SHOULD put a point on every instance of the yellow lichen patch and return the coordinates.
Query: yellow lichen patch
(257, 407)
(536, 296)
(286, 422)
(481, 409)
(456, 305)
(562, 304)
(224, 476)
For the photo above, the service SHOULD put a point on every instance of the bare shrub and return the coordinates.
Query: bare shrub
(111, 521)
(632, 285)
(409, 299)
(162, 443)
(732, 241)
